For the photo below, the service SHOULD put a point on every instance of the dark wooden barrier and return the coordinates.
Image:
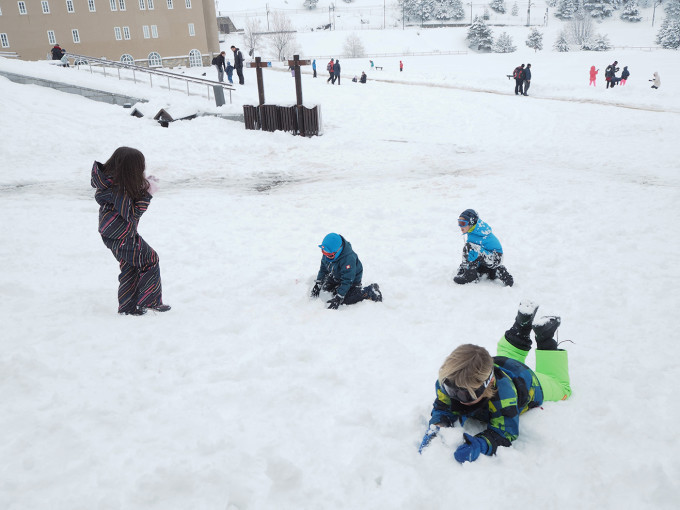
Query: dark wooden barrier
(251, 117)
(269, 115)
(292, 119)
(289, 120)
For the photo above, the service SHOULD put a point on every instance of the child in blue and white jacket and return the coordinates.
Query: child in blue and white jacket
(482, 253)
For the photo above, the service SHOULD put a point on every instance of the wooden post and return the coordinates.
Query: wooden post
(295, 64)
(258, 64)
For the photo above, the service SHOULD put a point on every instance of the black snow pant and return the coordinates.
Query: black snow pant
(518, 86)
(527, 84)
(239, 71)
(485, 261)
(140, 273)
(331, 77)
(314, 73)
(337, 77)
(355, 293)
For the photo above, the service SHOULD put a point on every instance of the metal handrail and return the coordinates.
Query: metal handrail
(150, 71)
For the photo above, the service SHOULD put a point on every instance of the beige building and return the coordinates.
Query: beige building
(146, 31)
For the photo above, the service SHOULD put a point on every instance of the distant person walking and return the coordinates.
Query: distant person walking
(656, 81)
(230, 72)
(527, 79)
(593, 75)
(336, 71)
(329, 68)
(401, 66)
(221, 66)
(624, 75)
(57, 52)
(610, 75)
(518, 75)
(314, 67)
(238, 64)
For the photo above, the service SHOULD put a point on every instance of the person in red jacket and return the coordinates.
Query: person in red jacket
(401, 66)
(329, 68)
(123, 194)
(593, 75)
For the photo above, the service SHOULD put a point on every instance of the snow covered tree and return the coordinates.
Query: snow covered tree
(456, 10)
(581, 27)
(282, 39)
(631, 12)
(668, 36)
(566, 9)
(252, 35)
(535, 40)
(672, 9)
(515, 9)
(311, 4)
(598, 9)
(504, 44)
(486, 15)
(598, 43)
(353, 46)
(561, 44)
(480, 35)
(498, 6)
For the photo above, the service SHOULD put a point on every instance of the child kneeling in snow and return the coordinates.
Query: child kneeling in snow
(340, 274)
(497, 390)
(482, 253)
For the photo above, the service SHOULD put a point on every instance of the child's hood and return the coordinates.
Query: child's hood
(100, 180)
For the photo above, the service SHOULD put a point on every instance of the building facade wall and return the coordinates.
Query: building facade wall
(27, 34)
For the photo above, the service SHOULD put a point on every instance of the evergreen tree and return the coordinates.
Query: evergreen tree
(504, 44)
(535, 40)
(498, 6)
(598, 9)
(456, 10)
(515, 9)
(668, 36)
(672, 9)
(566, 9)
(561, 44)
(486, 15)
(480, 35)
(311, 4)
(631, 12)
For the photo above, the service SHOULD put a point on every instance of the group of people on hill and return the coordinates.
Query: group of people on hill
(333, 68)
(471, 383)
(613, 80)
(522, 76)
(224, 66)
(58, 53)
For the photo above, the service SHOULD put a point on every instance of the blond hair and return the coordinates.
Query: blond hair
(468, 367)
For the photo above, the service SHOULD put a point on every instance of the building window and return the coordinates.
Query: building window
(50, 37)
(192, 31)
(76, 36)
(149, 4)
(155, 60)
(195, 59)
(188, 4)
(154, 31)
(142, 6)
(117, 33)
(90, 4)
(113, 5)
(69, 6)
(127, 59)
(22, 7)
(147, 34)
(126, 33)
(45, 6)
(170, 6)
(0, 11)
(4, 40)
(121, 4)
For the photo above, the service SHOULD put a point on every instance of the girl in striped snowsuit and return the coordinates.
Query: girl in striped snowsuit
(123, 194)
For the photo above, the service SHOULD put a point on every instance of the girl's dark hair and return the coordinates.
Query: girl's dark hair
(126, 167)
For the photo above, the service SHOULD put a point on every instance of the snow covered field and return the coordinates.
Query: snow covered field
(249, 395)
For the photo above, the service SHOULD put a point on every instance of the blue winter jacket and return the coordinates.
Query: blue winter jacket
(518, 390)
(346, 269)
(482, 240)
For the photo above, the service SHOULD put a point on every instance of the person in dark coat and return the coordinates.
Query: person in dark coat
(624, 75)
(57, 52)
(238, 64)
(123, 194)
(340, 274)
(518, 75)
(527, 79)
(336, 71)
(610, 75)
(363, 77)
(221, 66)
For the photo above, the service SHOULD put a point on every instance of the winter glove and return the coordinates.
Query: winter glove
(335, 303)
(428, 437)
(471, 449)
(153, 185)
(316, 289)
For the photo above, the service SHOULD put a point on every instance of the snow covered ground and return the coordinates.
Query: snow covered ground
(249, 395)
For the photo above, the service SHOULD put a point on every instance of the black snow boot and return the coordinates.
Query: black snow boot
(545, 329)
(466, 274)
(373, 293)
(518, 334)
(503, 275)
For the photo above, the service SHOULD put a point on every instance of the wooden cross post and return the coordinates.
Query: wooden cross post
(258, 64)
(295, 64)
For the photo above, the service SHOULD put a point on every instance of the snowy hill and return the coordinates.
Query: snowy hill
(248, 394)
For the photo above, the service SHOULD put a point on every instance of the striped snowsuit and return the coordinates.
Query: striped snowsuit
(140, 275)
